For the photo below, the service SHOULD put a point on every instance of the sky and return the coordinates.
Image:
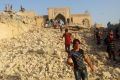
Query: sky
(102, 11)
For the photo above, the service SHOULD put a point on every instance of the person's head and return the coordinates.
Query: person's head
(76, 43)
(111, 33)
(66, 30)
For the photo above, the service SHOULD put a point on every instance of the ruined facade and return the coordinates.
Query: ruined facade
(68, 18)
(64, 14)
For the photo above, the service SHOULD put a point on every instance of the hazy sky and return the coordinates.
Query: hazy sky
(101, 11)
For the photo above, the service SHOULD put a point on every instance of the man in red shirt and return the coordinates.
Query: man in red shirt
(67, 37)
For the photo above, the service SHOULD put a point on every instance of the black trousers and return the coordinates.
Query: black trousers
(111, 53)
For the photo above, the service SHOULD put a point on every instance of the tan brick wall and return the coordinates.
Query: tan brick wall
(53, 12)
(78, 19)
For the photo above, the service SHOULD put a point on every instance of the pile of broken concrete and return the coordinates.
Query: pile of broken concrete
(39, 54)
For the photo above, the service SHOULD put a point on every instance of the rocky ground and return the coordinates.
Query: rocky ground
(39, 54)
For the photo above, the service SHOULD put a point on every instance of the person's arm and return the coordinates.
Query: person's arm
(88, 61)
(70, 61)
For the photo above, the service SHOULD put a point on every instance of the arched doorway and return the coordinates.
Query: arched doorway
(86, 22)
(60, 16)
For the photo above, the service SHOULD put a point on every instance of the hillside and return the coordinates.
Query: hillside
(38, 54)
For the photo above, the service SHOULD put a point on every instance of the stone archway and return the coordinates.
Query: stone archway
(60, 16)
(86, 22)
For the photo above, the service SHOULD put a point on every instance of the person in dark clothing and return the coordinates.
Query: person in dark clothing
(117, 33)
(118, 56)
(98, 36)
(110, 45)
(78, 57)
(119, 52)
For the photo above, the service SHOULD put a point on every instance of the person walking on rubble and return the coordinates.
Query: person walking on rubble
(98, 35)
(68, 41)
(61, 24)
(76, 59)
(110, 45)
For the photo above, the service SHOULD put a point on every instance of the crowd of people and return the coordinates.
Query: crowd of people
(109, 38)
(77, 57)
(55, 23)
